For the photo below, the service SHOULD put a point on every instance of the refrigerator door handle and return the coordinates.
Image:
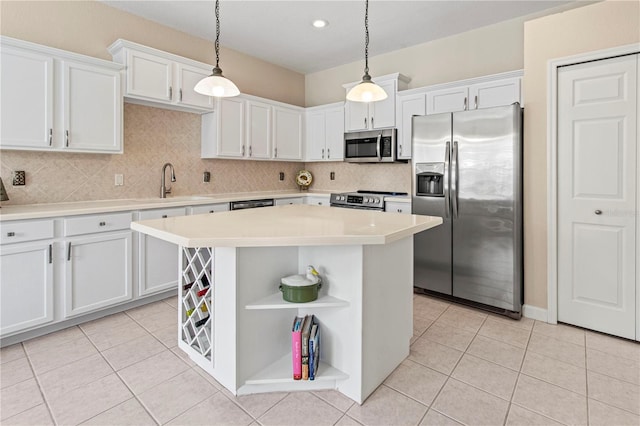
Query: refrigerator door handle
(454, 181)
(378, 147)
(447, 162)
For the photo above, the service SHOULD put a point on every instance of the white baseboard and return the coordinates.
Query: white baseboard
(534, 312)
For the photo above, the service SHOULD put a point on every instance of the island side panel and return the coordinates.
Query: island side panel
(341, 269)
(263, 335)
(387, 310)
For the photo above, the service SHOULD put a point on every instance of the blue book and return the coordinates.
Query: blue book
(314, 351)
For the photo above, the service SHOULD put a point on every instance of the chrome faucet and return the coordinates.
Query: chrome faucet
(163, 189)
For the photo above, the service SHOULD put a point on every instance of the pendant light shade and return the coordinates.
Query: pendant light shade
(366, 90)
(216, 84)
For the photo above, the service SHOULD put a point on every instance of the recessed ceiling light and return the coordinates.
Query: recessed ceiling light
(320, 23)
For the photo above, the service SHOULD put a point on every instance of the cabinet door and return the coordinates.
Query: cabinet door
(188, 77)
(383, 113)
(407, 108)
(448, 100)
(287, 134)
(356, 116)
(316, 136)
(149, 76)
(494, 93)
(97, 272)
(334, 134)
(26, 286)
(230, 127)
(92, 108)
(157, 259)
(258, 130)
(27, 99)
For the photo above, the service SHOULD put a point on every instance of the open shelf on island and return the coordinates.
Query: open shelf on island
(275, 301)
(281, 372)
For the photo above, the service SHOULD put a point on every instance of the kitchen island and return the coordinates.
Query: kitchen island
(233, 322)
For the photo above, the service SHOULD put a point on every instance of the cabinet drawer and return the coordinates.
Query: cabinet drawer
(17, 232)
(162, 213)
(210, 208)
(392, 207)
(96, 223)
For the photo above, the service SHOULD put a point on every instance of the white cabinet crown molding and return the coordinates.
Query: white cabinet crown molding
(393, 76)
(116, 48)
(58, 53)
(457, 83)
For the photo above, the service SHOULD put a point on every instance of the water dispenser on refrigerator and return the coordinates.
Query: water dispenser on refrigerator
(430, 180)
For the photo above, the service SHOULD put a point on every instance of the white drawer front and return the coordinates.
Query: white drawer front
(96, 223)
(210, 208)
(392, 207)
(162, 213)
(17, 232)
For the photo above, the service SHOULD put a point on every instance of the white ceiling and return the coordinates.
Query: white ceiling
(280, 32)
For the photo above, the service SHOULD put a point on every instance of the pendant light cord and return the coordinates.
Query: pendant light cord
(217, 33)
(366, 38)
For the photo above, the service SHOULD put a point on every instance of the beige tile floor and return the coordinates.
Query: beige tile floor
(465, 367)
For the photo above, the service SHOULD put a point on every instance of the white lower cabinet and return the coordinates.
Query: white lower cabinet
(26, 286)
(157, 259)
(286, 201)
(317, 200)
(97, 271)
(397, 207)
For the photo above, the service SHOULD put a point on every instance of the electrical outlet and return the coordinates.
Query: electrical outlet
(206, 177)
(281, 175)
(332, 175)
(19, 178)
(119, 180)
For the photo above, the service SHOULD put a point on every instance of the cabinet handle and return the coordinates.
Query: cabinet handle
(212, 211)
(66, 133)
(50, 253)
(170, 92)
(69, 252)
(465, 103)
(50, 137)
(180, 95)
(365, 122)
(102, 223)
(476, 102)
(399, 149)
(11, 234)
(328, 153)
(323, 153)
(399, 210)
(243, 150)
(250, 150)
(372, 125)
(275, 152)
(164, 216)
(598, 212)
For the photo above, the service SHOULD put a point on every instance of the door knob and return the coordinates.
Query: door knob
(598, 212)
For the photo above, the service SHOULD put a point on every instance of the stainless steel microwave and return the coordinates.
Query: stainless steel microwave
(374, 146)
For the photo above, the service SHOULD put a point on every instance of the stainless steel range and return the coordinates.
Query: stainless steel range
(366, 200)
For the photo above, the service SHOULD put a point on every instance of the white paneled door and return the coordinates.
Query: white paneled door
(597, 195)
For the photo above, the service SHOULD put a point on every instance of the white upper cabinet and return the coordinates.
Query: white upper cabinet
(287, 133)
(53, 100)
(486, 92)
(92, 108)
(258, 129)
(161, 79)
(252, 128)
(408, 106)
(325, 133)
(27, 109)
(375, 115)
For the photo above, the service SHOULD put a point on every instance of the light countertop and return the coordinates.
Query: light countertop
(40, 211)
(289, 225)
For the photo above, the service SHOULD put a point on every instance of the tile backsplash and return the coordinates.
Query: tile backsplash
(154, 136)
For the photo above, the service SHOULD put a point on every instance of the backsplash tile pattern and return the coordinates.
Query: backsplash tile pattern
(154, 136)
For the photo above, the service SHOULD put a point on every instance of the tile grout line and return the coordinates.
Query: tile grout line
(121, 380)
(35, 377)
(515, 386)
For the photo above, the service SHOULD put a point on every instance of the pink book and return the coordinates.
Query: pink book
(296, 347)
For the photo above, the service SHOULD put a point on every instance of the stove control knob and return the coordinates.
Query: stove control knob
(377, 200)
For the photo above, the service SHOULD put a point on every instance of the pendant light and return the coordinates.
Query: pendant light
(216, 84)
(366, 90)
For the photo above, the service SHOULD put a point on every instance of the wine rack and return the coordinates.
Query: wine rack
(196, 314)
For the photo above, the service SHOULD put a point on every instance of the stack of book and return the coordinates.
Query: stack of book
(305, 347)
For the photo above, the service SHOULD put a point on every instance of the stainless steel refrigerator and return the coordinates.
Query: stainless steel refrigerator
(468, 170)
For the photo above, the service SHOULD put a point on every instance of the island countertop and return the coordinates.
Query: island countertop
(288, 225)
